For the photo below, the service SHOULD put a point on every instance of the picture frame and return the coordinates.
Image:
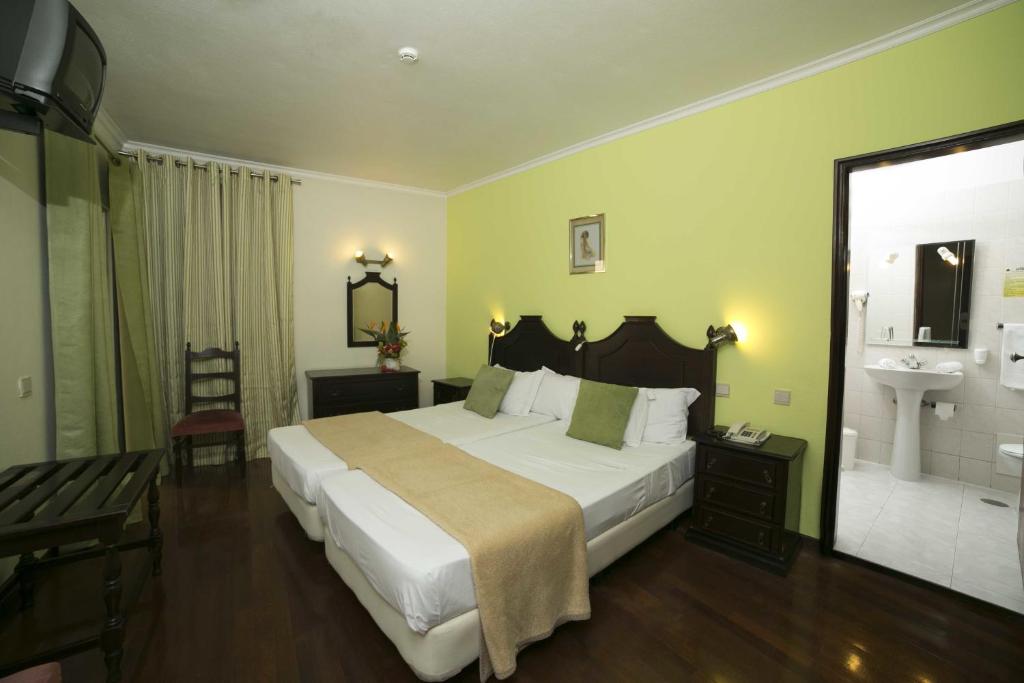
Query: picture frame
(586, 244)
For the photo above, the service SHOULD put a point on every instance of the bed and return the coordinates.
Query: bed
(300, 463)
(415, 579)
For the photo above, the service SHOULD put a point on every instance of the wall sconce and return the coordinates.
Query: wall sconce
(361, 259)
(721, 335)
(948, 256)
(497, 330)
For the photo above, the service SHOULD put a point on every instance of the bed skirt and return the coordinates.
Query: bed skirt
(307, 513)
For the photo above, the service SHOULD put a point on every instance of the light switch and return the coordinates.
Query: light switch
(722, 390)
(782, 397)
(24, 387)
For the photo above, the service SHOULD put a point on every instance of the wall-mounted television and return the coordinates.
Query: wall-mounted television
(52, 66)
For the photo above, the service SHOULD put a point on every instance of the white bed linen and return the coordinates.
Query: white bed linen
(425, 574)
(303, 462)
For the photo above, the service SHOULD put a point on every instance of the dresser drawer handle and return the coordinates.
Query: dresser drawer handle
(711, 462)
(764, 507)
(707, 521)
(767, 476)
(760, 538)
(711, 492)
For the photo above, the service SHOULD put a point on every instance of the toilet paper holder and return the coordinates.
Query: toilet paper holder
(931, 404)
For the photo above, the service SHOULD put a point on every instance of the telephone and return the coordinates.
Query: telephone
(741, 432)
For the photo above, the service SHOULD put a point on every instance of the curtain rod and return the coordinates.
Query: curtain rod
(204, 167)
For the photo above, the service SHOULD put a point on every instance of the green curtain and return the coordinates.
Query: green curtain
(219, 252)
(81, 306)
(145, 419)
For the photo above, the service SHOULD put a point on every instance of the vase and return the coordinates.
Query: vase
(391, 365)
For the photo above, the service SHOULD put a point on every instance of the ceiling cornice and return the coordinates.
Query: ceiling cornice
(907, 34)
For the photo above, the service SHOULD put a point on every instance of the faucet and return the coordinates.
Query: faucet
(913, 363)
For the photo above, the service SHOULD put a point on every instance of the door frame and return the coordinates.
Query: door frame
(953, 144)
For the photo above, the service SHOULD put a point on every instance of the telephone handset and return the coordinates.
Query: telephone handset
(741, 432)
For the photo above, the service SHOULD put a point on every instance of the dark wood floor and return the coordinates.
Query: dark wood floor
(245, 596)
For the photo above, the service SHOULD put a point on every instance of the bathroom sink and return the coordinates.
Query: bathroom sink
(910, 386)
(921, 380)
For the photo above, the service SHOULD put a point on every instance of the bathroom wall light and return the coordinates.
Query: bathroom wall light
(721, 335)
(360, 257)
(948, 256)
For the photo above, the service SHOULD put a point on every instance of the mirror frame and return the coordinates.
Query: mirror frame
(962, 304)
(371, 277)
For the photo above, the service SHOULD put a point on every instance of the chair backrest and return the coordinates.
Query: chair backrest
(232, 375)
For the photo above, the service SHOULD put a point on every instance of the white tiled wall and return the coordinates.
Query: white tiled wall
(886, 218)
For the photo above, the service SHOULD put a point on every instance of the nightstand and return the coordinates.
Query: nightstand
(451, 389)
(746, 499)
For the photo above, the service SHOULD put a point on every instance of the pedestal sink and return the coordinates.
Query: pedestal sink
(910, 386)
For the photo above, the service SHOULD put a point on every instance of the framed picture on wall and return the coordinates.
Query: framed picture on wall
(586, 244)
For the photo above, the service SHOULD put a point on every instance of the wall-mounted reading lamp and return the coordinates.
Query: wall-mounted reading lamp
(361, 258)
(497, 330)
(721, 335)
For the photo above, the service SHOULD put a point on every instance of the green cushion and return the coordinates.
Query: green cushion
(601, 413)
(488, 389)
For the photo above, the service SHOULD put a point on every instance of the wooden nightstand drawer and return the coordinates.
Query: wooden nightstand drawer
(753, 502)
(746, 499)
(713, 520)
(750, 469)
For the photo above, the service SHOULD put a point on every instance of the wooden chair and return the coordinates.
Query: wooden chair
(210, 421)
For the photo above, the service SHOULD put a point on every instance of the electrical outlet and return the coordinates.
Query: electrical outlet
(782, 397)
(722, 390)
(24, 387)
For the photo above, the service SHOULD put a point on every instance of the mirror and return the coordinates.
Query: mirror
(920, 295)
(370, 300)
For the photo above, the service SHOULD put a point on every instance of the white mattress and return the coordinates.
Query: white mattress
(303, 462)
(425, 574)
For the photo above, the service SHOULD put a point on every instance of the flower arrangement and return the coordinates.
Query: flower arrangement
(391, 342)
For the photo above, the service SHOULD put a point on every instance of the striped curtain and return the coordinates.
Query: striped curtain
(219, 249)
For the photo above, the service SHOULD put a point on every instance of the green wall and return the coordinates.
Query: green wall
(723, 216)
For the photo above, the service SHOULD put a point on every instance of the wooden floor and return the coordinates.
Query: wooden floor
(245, 596)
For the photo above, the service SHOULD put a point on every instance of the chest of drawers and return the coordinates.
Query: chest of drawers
(747, 499)
(360, 390)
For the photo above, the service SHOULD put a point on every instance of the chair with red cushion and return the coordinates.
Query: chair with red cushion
(210, 421)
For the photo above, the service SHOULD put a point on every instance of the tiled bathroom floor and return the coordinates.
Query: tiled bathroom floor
(935, 529)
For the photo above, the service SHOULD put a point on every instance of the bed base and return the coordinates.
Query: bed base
(306, 513)
(446, 649)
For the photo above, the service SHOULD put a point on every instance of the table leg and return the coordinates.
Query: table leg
(156, 537)
(177, 457)
(26, 579)
(112, 636)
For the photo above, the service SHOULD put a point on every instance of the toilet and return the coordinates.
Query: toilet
(1009, 459)
(848, 449)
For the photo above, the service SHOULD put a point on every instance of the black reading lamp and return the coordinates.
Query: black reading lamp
(497, 330)
(721, 335)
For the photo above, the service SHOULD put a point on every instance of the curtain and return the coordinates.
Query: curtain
(218, 249)
(81, 306)
(145, 419)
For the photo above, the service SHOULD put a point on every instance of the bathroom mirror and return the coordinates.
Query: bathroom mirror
(371, 300)
(920, 294)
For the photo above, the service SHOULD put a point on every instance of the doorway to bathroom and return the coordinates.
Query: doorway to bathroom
(925, 428)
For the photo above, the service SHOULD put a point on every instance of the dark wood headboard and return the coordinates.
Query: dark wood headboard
(530, 344)
(638, 353)
(641, 354)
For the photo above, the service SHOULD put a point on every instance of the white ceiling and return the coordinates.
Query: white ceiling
(317, 84)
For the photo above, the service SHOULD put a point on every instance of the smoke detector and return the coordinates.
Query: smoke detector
(409, 55)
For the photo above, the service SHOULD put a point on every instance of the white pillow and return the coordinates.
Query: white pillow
(666, 414)
(521, 393)
(557, 395)
(637, 419)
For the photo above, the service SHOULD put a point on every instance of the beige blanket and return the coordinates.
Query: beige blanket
(525, 541)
